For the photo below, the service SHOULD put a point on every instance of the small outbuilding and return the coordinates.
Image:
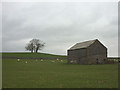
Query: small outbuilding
(88, 52)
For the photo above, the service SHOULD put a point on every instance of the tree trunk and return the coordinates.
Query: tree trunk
(31, 51)
(36, 50)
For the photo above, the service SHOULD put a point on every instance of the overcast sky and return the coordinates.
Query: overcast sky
(59, 25)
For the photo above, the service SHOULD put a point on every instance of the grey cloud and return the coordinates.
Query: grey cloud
(60, 25)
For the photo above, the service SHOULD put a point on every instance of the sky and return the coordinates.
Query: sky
(59, 24)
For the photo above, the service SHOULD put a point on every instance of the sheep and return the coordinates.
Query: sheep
(61, 60)
(26, 62)
(18, 60)
(41, 60)
(52, 61)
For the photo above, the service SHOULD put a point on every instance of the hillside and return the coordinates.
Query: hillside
(32, 55)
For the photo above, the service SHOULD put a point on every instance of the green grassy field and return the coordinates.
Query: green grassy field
(31, 55)
(57, 74)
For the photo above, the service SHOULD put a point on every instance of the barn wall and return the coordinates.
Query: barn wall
(96, 49)
(96, 53)
(83, 60)
(97, 59)
(75, 55)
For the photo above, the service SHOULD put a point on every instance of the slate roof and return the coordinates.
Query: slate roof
(82, 44)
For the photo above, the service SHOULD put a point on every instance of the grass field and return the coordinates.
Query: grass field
(57, 74)
(31, 55)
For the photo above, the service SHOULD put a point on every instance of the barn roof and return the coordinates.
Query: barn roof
(82, 44)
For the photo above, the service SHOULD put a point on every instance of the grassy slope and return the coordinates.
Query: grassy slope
(31, 55)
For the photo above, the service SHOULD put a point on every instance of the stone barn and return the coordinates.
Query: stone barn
(88, 52)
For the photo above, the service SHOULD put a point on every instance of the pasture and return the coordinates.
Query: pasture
(37, 73)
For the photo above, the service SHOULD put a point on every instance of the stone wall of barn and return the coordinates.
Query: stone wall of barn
(96, 53)
(97, 59)
(74, 56)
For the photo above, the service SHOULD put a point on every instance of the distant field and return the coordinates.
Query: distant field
(32, 55)
(57, 74)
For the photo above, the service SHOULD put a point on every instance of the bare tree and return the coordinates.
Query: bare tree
(34, 45)
(30, 47)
